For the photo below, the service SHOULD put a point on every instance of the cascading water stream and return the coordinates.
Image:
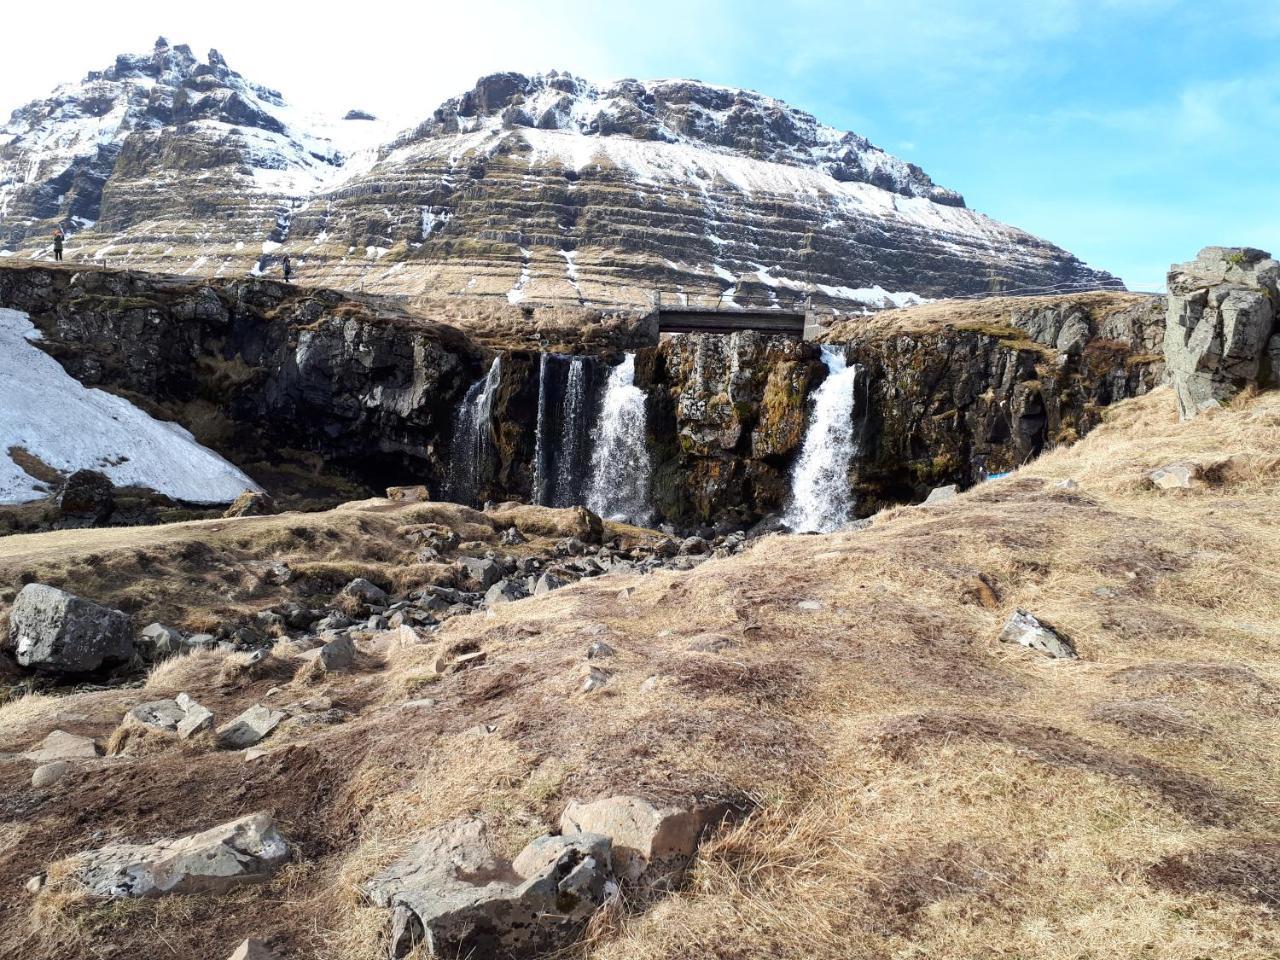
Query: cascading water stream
(472, 436)
(620, 467)
(559, 446)
(820, 497)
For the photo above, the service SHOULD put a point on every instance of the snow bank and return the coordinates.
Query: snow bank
(51, 415)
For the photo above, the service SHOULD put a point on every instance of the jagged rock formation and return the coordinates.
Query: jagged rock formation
(524, 189)
(1223, 330)
(162, 160)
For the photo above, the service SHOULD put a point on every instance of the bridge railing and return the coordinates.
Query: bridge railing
(730, 301)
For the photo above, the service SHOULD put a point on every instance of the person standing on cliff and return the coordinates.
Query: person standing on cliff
(287, 267)
(57, 244)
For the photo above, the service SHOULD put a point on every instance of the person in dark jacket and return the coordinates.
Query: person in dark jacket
(57, 243)
(287, 267)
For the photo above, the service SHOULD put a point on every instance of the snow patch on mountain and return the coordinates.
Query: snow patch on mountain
(50, 415)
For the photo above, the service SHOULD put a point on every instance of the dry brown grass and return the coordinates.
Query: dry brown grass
(917, 789)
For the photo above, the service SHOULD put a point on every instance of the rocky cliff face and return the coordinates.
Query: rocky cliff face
(1223, 331)
(524, 189)
(307, 390)
(316, 393)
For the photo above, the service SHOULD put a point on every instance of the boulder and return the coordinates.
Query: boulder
(1222, 326)
(251, 503)
(156, 715)
(195, 717)
(337, 654)
(481, 572)
(941, 494)
(47, 774)
(548, 582)
(1176, 476)
(412, 494)
(250, 727)
(366, 592)
(60, 745)
(87, 494)
(651, 844)
(57, 631)
(213, 861)
(694, 546)
(156, 641)
(512, 537)
(1025, 629)
(452, 896)
(503, 592)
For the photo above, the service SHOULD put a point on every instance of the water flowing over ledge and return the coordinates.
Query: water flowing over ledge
(821, 500)
(620, 464)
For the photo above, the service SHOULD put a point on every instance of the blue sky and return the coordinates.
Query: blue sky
(1131, 132)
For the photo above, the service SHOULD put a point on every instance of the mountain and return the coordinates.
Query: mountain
(544, 188)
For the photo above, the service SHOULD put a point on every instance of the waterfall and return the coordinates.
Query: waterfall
(472, 442)
(559, 444)
(619, 488)
(820, 497)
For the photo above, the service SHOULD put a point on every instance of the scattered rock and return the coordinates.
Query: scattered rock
(251, 503)
(548, 582)
(253, 950)
(336, 654)
(503, 592)
(512, 537)
(156, 641)
(694, 546)
(1067, 484)
(47, 774)
(368, 593)
(196, 718)
(809, 605)
(249, 728)
(413, 494)
(941, 494)
(1176, 476)
(1025, 629)
(35, 884)
(600, 650)
(58, 631)
(593, 678)
(156, 715)
(480, 571)
(468, 660)
(651, 844)
(213, 861)
(452, 895)
(60, 745)
(87, 494)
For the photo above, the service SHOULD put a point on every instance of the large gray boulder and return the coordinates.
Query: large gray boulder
(652, 844)
(213, 861)
(452, 896)
(1221, 331)
(57, 631)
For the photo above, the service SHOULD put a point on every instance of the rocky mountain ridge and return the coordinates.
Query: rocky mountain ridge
(524, 189)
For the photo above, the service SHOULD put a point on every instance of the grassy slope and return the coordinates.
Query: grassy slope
(920, 790)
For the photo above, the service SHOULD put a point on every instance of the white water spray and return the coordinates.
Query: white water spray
(820, 497)
(472, 441)
(620, 468)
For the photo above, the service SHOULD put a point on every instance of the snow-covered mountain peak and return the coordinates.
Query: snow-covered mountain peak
(719, 118)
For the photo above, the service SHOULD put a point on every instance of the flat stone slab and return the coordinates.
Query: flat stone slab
(212, 861)
(60, 745)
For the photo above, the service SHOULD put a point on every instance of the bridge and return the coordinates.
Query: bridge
(689, 313)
